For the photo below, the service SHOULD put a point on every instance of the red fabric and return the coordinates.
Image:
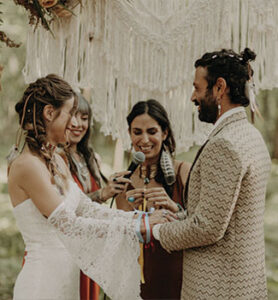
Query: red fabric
(23, 260)
(89, 290)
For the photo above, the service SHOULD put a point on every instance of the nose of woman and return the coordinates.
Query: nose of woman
(73, 122)
(145, 138)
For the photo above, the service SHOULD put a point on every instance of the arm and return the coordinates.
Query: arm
(221, 173)
(31, 176)
(106, 250)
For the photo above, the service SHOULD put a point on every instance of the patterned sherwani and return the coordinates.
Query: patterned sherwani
(223, 235)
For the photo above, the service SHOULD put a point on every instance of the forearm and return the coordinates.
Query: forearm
(96, 196)
(189, 233)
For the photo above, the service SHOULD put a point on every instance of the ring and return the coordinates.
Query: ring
(151, 210)
(131, 199)
(165, 213)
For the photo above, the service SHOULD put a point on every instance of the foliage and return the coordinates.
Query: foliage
(44, 11)
(11, 249)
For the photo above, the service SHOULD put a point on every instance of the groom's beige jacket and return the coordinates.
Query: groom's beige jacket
(223, 235)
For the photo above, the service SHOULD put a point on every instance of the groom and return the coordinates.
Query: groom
(222, 235)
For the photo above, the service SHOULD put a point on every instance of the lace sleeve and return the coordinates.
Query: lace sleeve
(106, 250)
(86, 208)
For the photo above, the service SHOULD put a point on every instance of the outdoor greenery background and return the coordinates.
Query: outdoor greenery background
(11, 244)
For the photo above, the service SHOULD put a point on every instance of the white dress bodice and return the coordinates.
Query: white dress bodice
(49, 271)
(78, 234)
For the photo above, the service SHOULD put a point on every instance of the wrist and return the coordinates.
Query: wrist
(103, 194)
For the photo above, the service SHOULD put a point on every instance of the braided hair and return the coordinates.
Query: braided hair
(49, 90)
(233, 67)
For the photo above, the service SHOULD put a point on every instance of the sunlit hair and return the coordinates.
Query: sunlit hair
(233, 67)
(83, 146)
(49, 90)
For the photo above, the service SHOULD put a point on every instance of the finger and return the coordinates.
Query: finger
(168, 214)
(137, 190)
(122, 173)
(122, 180)
(154, 190)
(135, 196)
(138, 201)
(170, 218)
(118, 186)
(156, 194)
(158, 198)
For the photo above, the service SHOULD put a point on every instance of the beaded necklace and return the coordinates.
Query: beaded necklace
(83, 173)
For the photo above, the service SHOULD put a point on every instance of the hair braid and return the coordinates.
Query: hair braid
(49, 90)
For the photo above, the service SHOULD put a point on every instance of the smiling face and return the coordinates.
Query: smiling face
(79, 128)
(204, 98)
(59, 122)
(147, 136)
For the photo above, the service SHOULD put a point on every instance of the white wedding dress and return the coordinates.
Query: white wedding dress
(78, 234)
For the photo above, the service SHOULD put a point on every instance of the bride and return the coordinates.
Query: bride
(62, 229)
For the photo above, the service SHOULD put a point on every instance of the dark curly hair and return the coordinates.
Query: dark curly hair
(51, 90)
(233, 67)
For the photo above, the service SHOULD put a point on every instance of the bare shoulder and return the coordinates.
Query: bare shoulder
(26, 165)
(25, 172)
(183, 168)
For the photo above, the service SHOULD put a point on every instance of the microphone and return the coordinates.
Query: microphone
(137, 159)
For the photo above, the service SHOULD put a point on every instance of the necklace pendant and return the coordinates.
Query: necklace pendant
(146, 180)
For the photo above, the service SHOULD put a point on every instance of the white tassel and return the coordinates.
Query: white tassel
(13, 154)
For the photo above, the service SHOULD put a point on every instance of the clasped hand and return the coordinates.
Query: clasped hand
(156, 197)
(158, 217)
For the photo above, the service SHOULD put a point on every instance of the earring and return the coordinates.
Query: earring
(219, 109)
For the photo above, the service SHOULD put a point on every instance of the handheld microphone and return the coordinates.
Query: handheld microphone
(137, 159)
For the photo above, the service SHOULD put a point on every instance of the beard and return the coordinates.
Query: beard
(208, 111)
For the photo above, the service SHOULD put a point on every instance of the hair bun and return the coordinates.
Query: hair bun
(248, 55)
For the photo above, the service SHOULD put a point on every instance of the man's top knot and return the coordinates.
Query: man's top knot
(248, 55)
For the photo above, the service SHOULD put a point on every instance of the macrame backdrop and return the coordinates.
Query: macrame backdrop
(131, 50)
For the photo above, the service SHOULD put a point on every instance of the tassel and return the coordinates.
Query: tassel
(250, 94)
(13, 153)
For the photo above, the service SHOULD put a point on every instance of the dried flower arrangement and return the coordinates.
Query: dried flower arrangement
(44, 11)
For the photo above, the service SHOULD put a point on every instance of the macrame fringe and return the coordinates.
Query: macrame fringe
(127, 51)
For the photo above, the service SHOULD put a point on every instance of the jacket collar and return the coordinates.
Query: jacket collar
(232, 118)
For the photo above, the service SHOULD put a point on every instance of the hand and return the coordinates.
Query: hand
(158, 217)
(158, 198)
(116, 184)
(138, 195)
